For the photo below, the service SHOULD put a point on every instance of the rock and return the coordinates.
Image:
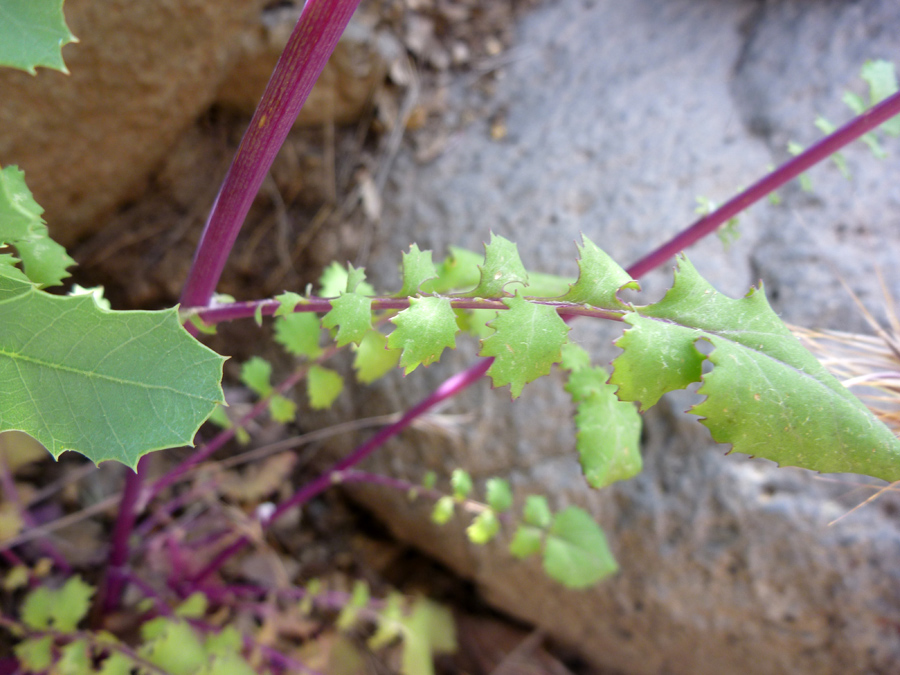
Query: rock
(616, 116)
(140, 76)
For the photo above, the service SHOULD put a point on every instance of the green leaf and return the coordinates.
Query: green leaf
(288, 301)
(574, 357)
(526, 541)
(32, 34)
(880, 77)
(443, 510)
(173, 646)
(336, 280)
(351, 314)
(226, 641)
(358, 600)
(389, 622)
(43, 260)
(323, 386)
(299, 334)
(766, 395)
(256, 373)
(499, 494)
(600, 279)
(35, 654)
(58, 609)
(282, 409)
(75, 659)
(484, 528)
(416, 269)
(428, 630)
(609, 430)
(461, 483)
(527, 342)
(423, 331)
(110, 385)
(193, 607)
(576, 553)
(373, 358)
(117, 663)
(536, 511)
(459, 270)
(229, 664)
(501, 268)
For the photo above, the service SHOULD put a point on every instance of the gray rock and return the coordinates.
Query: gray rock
(618, 115)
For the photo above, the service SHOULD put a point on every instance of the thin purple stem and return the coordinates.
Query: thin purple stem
(118, 555)
(311, 43)
(244, 310)
(822, 150)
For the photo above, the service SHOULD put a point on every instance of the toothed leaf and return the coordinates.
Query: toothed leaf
(373, 358)
(256, 373)
(608, 433)
(351, 314)
(766, 395)
(110, 385)
(501, 268)
(423, 331)
(21, 226)
(527, 342)
(32, 34)
(600, 279)
(60, 609)
(458, 271)
(299, 333)
(416, 269)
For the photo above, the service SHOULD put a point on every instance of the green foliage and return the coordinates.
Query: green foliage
(256, 373)
(351, 315)
(443, 510)
(58, 609)
(416, 269)
(426, 629)
(423, 331)
(373, 358)
(766, 395)
(600, 279)
(502, 268)
(124, 383)
(323, 387)
(32, 34)
(527, 341)
(484, 527)
(576, 553)
(43, 260)
(461, 483)
(499, 495)
(299, 334)
(609, 430)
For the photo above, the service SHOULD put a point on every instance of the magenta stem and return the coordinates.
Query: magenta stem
(822, 150)
(118, 556)
(311, 43)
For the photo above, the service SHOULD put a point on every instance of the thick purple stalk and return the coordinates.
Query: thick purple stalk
(314, 38)
(822, 150)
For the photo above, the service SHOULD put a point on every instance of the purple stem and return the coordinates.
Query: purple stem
(829, 145)
(244, 310)
(118, 555)
(311, 43)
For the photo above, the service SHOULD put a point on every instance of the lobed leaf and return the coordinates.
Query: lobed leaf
(608, 433)
(323, 386)
(423, 331)
(600, 279)
(373, 358)
(416, 269)
(766, 395)
(110, 385)
(502, 267)
(299, 334)
(351, 314)
(528, 340)
(32, 34)
(44, 261)
(60, 609)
